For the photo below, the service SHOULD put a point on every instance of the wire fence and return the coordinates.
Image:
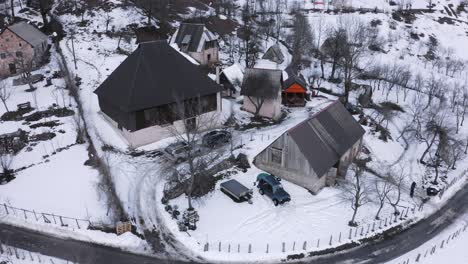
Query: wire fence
(365, 230)
(436, 247)
(452, 182)
(353, 234)
(9, 254)
(32, 216)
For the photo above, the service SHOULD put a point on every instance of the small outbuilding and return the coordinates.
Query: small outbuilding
(143, 95)
(231, 80)
(274, 54)
(261, 89)
(315, 152)
(294, 90)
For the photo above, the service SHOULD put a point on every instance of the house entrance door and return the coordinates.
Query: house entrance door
(191, 123)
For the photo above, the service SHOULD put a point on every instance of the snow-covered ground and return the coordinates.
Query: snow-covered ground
(54, 178)
(140, 180)
(449, 246)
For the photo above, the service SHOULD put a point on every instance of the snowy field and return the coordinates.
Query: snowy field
(52, 176)
(67, 187)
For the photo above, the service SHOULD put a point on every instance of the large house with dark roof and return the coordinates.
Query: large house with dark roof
(143, 96)
(22, 47)
(198, 42)
(316, 151)
(261, 89)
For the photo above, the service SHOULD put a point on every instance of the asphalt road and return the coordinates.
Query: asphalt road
(376, 252)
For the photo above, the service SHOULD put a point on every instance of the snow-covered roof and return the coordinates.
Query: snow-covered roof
(234, 72)
(28, 33)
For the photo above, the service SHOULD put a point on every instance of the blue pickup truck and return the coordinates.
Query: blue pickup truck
(270, 185)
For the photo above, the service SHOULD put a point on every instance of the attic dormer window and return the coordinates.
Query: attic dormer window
(185, 42)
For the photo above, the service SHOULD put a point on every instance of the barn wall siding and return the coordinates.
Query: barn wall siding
(296, 168)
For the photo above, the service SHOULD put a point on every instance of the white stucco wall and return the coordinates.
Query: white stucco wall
(155, 133)
(202, 57)
(271, 108)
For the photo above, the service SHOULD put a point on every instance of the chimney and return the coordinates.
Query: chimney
(218, 73)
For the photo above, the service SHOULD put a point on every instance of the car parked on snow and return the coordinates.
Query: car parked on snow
(431, 191)
(178, 152)
(216, 137)
(271, 186)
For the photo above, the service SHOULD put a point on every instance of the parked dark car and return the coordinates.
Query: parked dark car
(216, 137)
(271, 186)
(431, 191)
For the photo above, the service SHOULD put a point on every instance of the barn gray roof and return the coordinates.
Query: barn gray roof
(326, 136)
(192, 35)
(154, 74)
(263, 83)
(28, 33)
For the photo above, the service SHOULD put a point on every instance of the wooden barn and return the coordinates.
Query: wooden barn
(316, 151)
(294, 90)
(141, 96)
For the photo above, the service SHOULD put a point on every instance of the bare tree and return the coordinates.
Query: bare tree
(6, 162)
(5, 93)
(382, 187)
(192, 123)
(302, 38)
(358, 38)
(355, 191)
(250, 37)
(396, 178)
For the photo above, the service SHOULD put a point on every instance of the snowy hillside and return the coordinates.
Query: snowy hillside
(403, 76)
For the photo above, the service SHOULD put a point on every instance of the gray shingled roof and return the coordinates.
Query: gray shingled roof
(326, 136)
(29, 33)
(191, 35)
(154, 74)
(263, 83)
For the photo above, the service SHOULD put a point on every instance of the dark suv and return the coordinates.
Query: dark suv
(216, 137)
(269, 185)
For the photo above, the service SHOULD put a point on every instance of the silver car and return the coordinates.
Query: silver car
(178, 152)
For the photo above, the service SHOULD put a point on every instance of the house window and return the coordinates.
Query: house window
(208, 57)
(20, 44)
(19, 54)
(2, 55)
(276, 155)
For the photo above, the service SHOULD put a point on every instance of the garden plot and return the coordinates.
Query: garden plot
(50, 173)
